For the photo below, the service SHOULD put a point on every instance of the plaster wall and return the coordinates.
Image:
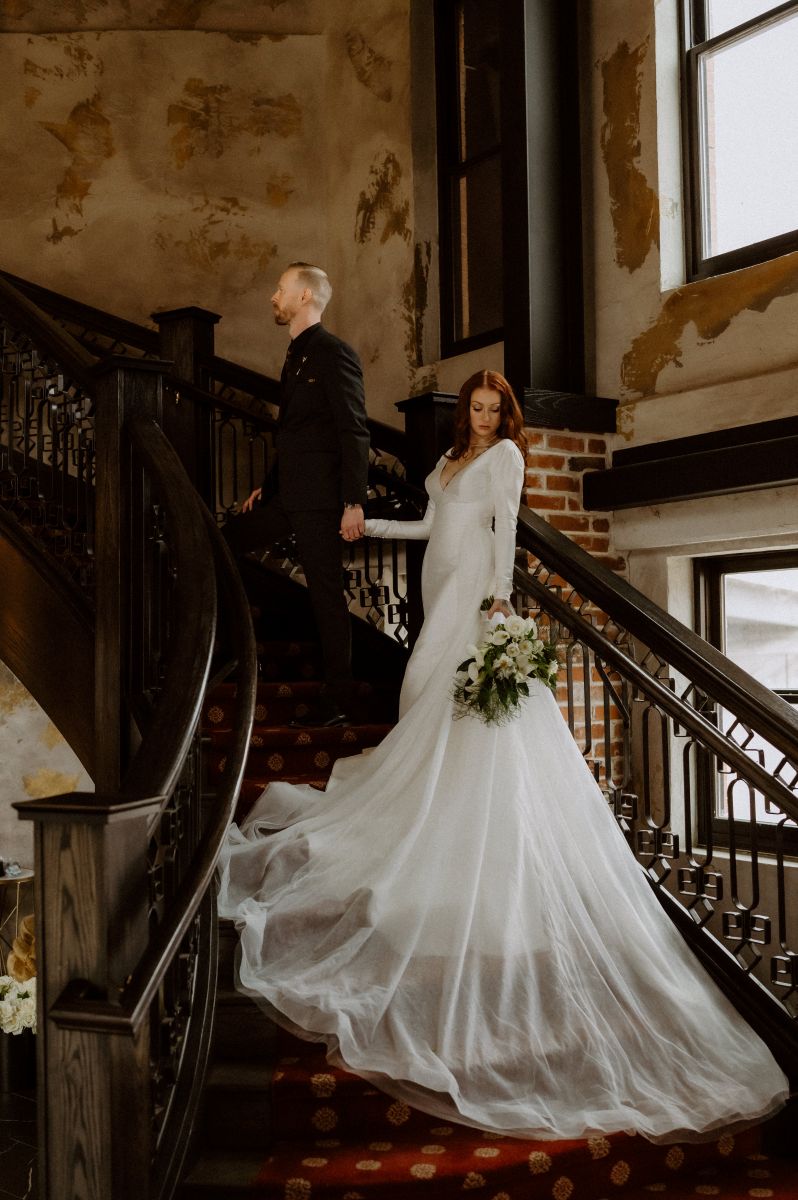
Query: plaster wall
(35, 762)
(158, 153)
(680, 357)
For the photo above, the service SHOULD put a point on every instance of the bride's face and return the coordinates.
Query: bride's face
(486, 413)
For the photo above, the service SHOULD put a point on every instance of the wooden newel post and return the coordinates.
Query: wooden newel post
(187, 340)
(428, 425)
(125, 387)
(93, 1076)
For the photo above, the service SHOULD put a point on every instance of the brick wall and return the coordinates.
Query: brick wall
(556, 462)
(555, 465)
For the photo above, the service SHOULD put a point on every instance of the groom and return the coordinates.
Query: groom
(316, 488)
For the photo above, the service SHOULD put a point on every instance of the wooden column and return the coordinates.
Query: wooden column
(93, 1085)
(124, 386)
(428, 425)
(187, 338)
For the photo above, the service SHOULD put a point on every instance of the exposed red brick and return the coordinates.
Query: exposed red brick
(570, 524)
(562, 483)
(574, 505)
(601, 525)
(596, 446)
(542, 462)
(548, 502)
(596, 545)
(534, 480)
(566, 441)
(534, 439)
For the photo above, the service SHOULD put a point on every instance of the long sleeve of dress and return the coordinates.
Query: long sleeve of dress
(507, 479)
(410, 530)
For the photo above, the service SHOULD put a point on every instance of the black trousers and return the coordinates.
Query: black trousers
(319, 546)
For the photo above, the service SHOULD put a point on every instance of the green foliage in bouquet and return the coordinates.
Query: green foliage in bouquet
(492, 682)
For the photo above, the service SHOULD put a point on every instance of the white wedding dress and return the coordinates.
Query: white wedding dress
(458, 915)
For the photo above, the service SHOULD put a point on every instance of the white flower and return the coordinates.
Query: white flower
(504, 665)
(498, 637)
(477, 653)
(537, 646)
(17, 1005)
(473, 671)
(515, 625)
(512, 649)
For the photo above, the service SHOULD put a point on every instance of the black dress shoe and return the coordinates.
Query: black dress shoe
(321, 716)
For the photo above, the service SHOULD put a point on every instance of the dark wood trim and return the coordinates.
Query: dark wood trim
(698, 443)
(693, 29)
(64, 308)
(45, 332)
(720, 472)
(565, 410)
(47, 636)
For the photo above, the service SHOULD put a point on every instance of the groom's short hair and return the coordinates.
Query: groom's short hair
(315, 279)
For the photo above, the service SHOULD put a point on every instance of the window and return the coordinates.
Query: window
(749, 610)
(740, 87)
(468, 53)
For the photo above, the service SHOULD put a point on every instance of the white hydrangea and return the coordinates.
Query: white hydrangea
(17, 1005)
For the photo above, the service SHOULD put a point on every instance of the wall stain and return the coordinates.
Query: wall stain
(380, 200)
(80, 61)
(59, 232)
(634, 206)
(51, 736)
(426, 381)
(414, 303)
(46, 782)
(12, 694)
(182, 14)
(87, 135)
(211, 115)
(279, 190)
(14, 10)
(32, 94)
(711, 305)
(211, 240)
(371, 68)
(249, 39)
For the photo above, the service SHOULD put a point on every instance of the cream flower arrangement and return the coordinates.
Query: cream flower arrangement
(17, 1005)
(494, 680)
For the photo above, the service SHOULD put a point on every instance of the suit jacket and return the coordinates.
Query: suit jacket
(322, 440)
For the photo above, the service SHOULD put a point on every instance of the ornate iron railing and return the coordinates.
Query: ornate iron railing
(642, 694)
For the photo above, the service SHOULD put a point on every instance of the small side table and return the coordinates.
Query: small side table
(10, 895)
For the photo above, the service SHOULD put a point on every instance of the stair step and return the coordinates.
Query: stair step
(237, 1111)
(222, 1174)
(278, 703)
(242, 1032)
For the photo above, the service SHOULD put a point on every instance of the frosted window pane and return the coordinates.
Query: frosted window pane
(726, 14)
(749, 144)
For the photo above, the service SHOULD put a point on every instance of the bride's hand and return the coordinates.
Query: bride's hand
(498, 606)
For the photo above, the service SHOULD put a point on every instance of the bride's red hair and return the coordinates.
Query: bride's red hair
(511, 419)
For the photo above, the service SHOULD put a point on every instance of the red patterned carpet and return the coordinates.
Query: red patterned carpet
(338, 1138)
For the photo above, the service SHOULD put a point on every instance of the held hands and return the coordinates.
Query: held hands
(352, 523)
(498, 606)
(250, 501)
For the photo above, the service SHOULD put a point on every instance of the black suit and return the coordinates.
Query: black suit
(322, 463)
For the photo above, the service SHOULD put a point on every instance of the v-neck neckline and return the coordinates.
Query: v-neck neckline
(445, 486)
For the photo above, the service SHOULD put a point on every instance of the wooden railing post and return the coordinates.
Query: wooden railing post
(428, 425)
(187, 336)
(124, 386)
(93, 1086)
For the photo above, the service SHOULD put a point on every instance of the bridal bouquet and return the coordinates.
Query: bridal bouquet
(495, 678)
(17, 1005)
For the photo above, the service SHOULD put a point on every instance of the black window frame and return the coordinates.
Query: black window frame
(451, 167)
(695, 43)
(709, 618)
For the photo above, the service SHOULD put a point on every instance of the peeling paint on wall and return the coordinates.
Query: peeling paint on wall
(210, 115)
(380, 200)
(182, 14)
(80, 61)
(32, 94)
(46, 782)
(711, 305)
(634, 206)
(87, 135)
(414, 303)
(371, 68)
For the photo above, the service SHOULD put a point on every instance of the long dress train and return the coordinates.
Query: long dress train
(458, 915)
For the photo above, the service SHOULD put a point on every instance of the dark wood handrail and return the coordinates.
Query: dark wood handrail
(683, 714)
(722, 680)
(95, 319)
(46, 333)
(160, 757)
(78, 1006)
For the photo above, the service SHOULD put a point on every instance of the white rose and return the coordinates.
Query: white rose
(530, 628)
(512, 649)
(515, 625)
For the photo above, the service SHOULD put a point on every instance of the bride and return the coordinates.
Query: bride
(458, 916)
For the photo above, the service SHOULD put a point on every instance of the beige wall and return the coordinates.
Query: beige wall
(35, 761)
(178, 152)
(687, 358)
